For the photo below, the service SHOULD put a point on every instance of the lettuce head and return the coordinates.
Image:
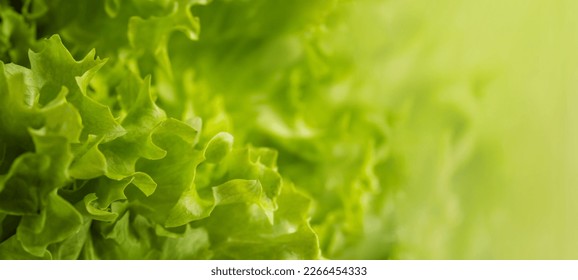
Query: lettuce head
(304, 129)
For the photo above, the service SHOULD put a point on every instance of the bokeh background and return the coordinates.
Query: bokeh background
(486, 94)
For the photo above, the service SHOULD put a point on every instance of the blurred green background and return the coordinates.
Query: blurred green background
(487, 95)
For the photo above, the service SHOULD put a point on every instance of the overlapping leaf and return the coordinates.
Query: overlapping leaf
(131, 186)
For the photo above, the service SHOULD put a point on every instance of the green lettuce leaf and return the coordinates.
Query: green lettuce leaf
(96, 164)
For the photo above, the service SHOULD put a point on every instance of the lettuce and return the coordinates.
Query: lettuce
(84, 181)
(94, 164)
(304, 129)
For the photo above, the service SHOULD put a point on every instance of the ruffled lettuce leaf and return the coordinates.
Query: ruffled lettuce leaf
(94, 168)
